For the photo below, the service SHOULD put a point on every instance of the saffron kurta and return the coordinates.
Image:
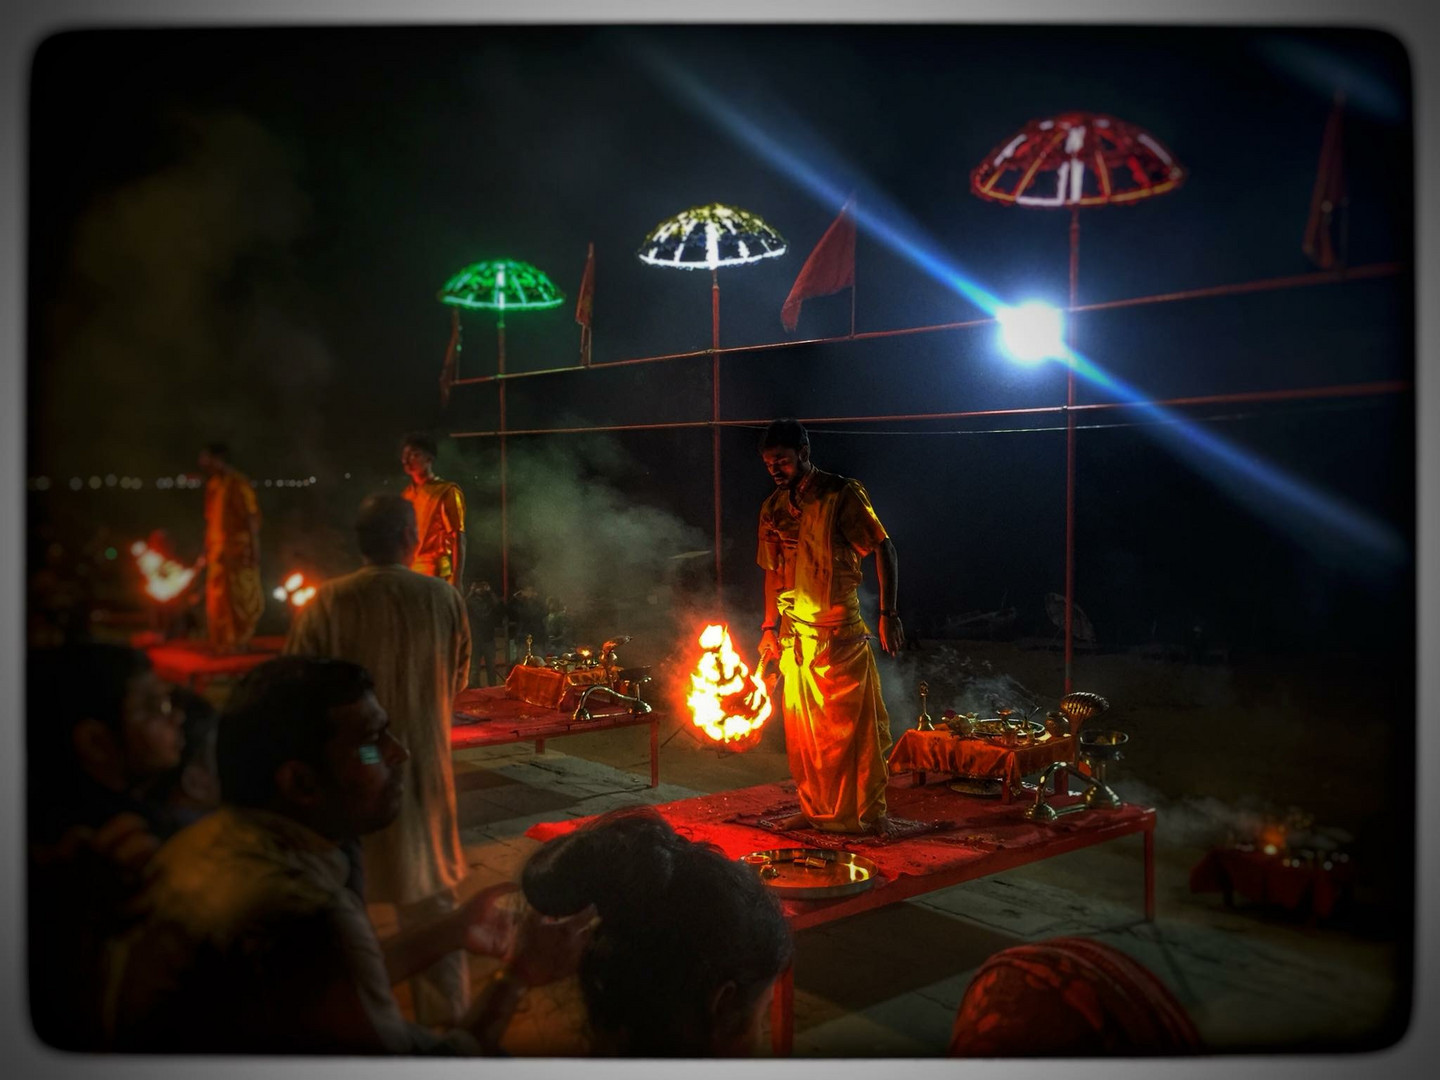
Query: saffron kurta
(233, 600)
(411, 633)
(837, 731)
(439, 520)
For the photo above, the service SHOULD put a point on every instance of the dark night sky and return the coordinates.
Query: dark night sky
(240, 233)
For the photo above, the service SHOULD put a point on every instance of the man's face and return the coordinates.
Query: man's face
(364, 773)
(150, 731)
(784, 464)
(208, 462)
(415, 461)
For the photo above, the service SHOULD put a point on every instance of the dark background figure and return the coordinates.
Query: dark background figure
(485, 611)
(527, 613)
(557, 627)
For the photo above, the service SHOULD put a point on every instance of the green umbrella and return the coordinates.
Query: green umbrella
(501, 285)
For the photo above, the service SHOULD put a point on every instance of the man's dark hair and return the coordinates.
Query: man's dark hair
(381, 524)
(648, 977)
(789, 433)
(218, 449)
(421, 441)
(280, 712)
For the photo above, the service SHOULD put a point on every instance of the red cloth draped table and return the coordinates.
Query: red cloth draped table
(488, 716)
(940, 751)
(193, 664)
(1269, 880)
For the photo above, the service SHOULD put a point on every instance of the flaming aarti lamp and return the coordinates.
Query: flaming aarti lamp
(728, 703)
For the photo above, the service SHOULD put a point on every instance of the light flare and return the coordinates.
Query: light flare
(295, 592)
(727, 701)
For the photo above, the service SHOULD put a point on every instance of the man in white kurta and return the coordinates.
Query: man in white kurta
(410, 631)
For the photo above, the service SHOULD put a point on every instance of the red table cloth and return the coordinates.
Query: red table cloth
(1267, 879)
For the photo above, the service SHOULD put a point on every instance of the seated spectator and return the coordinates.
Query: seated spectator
(250, 938)
(192, 789)
(99, 731)
(1069, 997)
(689, 944)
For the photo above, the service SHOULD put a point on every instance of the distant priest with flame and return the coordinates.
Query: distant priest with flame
(816, 529)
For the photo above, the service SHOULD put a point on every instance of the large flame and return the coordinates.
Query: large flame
(295, 592)
(165, 578)
(726, 701)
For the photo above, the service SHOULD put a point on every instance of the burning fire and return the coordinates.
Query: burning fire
(726, 701)
(1271, 839)
(165, 578)
(295, 591)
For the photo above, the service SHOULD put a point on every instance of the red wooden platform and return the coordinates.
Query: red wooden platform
(983, 837)
(485, 716)
(194, 663)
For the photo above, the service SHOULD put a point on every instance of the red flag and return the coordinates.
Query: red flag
(585, 304)
(452, 356)
(830, 267)
(1329, 193)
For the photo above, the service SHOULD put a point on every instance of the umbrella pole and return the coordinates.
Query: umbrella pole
(504, 506)
(715, 414)
(1070, 449)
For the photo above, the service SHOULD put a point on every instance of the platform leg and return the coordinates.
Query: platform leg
(782, 1014)
(1150, 875)
(654, 753)
(539, 746)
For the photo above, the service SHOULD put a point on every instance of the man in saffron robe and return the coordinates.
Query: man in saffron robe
(816, 529)
(439, 512)
(233, 600)
(410, 632)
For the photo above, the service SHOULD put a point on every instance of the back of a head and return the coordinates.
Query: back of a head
(786, 433)
(385, 528)
(280, 712)
(678, 920)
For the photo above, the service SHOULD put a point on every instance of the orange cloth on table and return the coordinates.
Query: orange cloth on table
(942, 752)
(233, 599)
(439, 519)
(837, 731)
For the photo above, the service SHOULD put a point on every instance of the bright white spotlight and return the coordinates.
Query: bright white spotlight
(1032, 332)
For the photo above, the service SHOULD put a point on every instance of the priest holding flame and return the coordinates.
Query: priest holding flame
(816, 529)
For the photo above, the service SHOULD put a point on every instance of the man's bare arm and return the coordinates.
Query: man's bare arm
(887, 570)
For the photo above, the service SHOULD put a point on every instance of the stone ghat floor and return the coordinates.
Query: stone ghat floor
(887, 983)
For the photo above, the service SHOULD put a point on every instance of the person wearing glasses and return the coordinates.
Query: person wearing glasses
(410, 630)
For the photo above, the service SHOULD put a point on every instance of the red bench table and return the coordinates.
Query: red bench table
(485, 716)
(987, 837)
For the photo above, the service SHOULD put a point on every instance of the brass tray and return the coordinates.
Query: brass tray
(811, 873)
(993, 729)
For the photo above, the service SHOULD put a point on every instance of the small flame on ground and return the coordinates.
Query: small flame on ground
(727, 702)
(165, 578)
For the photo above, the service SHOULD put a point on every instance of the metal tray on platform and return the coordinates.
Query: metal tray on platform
(811, 873)
(995, 729)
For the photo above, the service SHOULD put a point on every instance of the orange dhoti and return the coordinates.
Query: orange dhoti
(233, 604)
(837, 732)
(234, 601)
